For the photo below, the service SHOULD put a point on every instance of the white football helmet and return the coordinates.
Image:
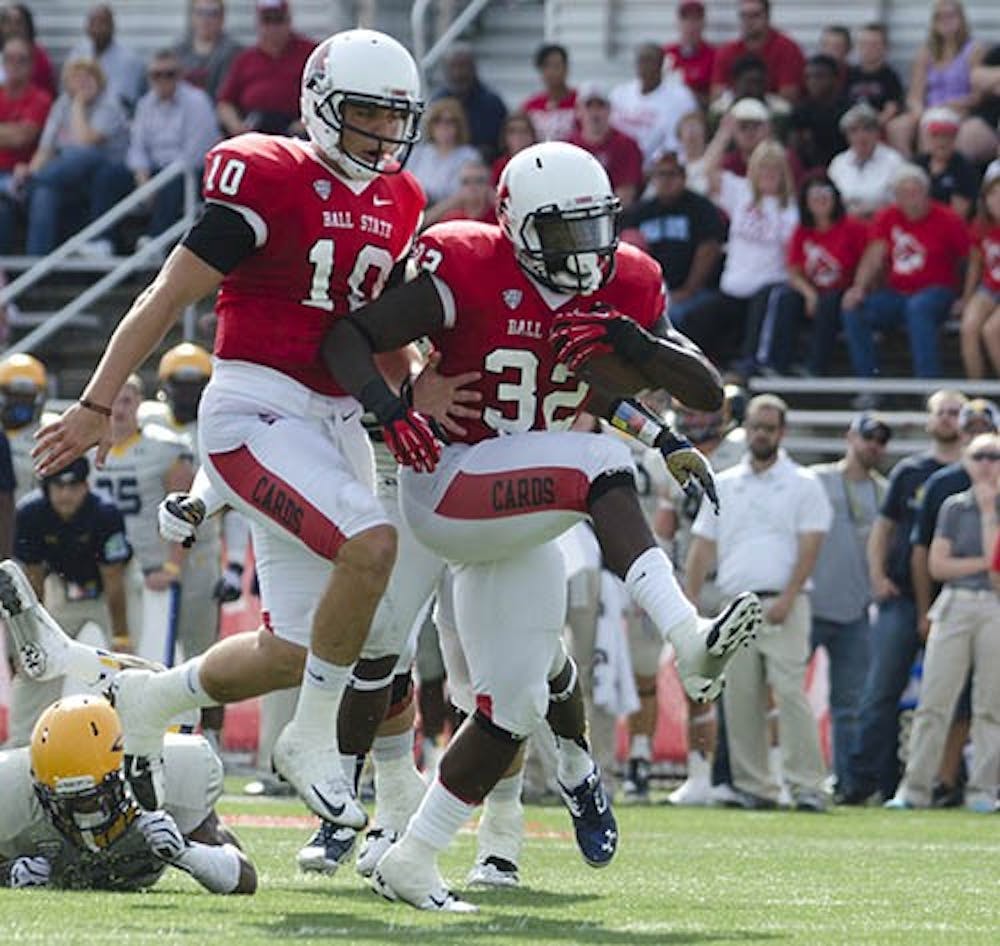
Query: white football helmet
(556, 205)
(363, 67)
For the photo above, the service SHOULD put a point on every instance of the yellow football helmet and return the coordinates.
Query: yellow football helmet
(184, 371)
(185, 362)
(76, 768)
(23, 385)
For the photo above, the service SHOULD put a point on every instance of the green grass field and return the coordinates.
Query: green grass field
(720, 878)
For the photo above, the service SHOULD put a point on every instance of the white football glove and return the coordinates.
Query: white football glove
(179, 515)
(162, 835)
(30, 872)
(689, 466)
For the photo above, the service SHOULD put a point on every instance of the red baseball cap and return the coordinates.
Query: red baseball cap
(691, 8)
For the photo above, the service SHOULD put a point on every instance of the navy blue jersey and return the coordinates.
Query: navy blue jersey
(906, 487)
(72, 549)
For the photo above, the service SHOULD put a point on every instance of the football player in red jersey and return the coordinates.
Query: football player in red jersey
(294, 235)
(524, 304)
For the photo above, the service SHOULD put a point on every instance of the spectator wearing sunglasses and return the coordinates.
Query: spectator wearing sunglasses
(965, 634)
(174, 121)
(841, 591)
(208, 50)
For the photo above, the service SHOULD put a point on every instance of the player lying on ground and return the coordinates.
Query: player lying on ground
(68, 819)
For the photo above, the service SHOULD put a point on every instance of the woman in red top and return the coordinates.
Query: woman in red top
(823, 254)
(981, 299)
(517, 133)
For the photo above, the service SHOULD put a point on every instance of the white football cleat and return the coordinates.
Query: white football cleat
(412, 877)
(317, 775)
(703, 648)
(44, 651)
(493, 872)
(327, 849)
(694, 791)
(376, 842)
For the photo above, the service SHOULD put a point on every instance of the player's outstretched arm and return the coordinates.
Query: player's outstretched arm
(184, 279)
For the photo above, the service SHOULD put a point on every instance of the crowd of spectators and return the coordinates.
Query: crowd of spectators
(807, 155)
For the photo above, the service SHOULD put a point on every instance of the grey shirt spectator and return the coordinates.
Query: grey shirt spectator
(841, 587)
(206, 52)
(125, 71)
(959, 521)
(105, 115)
(182, 126)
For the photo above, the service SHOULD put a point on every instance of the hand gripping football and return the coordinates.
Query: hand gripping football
(585, 343)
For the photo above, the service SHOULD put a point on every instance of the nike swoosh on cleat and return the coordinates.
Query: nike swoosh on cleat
(335, 810)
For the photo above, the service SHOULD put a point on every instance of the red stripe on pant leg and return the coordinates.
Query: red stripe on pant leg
(277, 499)
(484, 704)
(508, 493)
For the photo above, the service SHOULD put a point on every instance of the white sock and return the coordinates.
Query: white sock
(323, 685)
(774, 762)
(651, 583)
(699, 768)
(439, 817)
(387, 748)
(574, 763)
(506, 792)
(640, 748)
(179, 688)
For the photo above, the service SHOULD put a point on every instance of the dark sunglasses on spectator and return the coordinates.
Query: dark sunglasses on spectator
(668, 172)
(982, 456)
(162, 74)
(473, 180)
(272, 16)
(207, 11)
(879, 436)
(16, 57)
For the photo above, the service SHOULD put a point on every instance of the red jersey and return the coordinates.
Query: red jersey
(695, 64)
(31, 107)
(925, 252)
(988, 243)
(829, 258)
(325, 246)
(552, 121)
(618, 154)
(498, 322)
(781, 54)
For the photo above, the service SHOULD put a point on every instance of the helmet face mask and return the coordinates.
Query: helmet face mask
(364, 72)
(23, 383)
(556, 205)
(76, 754)
(571, 250)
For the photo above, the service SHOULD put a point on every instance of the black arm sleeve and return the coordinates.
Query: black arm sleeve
(220, 237)
(397, 317)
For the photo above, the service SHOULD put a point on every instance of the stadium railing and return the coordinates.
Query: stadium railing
(117, 268)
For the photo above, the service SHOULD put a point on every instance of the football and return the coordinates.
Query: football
(612, 374)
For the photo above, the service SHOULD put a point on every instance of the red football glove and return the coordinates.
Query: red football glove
(411, 440)
(579, 336)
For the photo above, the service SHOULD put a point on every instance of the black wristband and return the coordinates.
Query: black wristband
(377, 397)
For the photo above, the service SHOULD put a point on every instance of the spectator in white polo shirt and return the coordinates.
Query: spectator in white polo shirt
(863, 173)
(649, 107)
(767, 536)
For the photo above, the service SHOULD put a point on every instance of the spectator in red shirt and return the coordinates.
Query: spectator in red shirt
(981, 308)
(782, 55)
(692, 55)
(17, 20)
(261, 89)
(823, 257)
(518, 133)
(553, 110)
(23, 110)
(618, 153)
(920, 244)
(475, 198)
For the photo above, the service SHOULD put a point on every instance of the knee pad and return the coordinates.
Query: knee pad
(562, 685)
(480, 719)
(401, 694)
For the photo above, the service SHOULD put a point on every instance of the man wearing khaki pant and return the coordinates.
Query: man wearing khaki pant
(965, 633)
(774, 514)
